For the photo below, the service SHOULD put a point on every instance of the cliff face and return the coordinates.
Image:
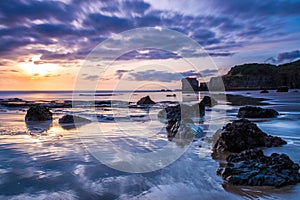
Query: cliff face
(259, 76)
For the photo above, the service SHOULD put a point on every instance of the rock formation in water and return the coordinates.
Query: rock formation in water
(71, 119)
(38, 113)
(209, 101)
(145, 101)
(242, 135)
(256, 112)
(253, 168)
(182, 111)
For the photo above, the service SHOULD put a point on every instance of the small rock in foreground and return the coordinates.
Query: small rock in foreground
(242, 135)
(253, 168)
(256, 112)
(38, 113)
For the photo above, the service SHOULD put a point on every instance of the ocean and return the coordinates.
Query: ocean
(48, 161)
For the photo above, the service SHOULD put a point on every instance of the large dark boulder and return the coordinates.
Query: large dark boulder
(38, 113)
(71, 119)
(256, 112)
(209, 101)
(242, 135)
(145, 101)
(253, 168)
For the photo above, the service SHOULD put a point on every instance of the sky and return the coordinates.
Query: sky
(46, 45)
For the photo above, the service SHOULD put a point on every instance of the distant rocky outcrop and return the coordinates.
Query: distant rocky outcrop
(256, 112)
(258, 76)
(38, 113)
(242, 135)
(145, 101)
(253, 168)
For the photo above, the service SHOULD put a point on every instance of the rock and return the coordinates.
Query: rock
(242, 135)
(182, 111)
(171, 95)
(145, 101)
(253, 168)
(104, 118)
(71, 119)
(256, 112)
(186, 128)
(264, 91)
(38, 113)
(209, 101)
(283, 89)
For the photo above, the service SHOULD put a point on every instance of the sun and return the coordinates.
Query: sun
(36, 67)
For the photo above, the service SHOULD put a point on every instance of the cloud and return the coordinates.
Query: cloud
(119, 73)
(15, 11)
(92, 77)
(285, 57)
(164, 76)
(288, 55)
(66, 31)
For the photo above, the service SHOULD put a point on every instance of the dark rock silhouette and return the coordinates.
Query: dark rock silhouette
(253, 168)
(71, 119)
(283, 89)
(145, 101)
(38, 113)
(209, 101)
(256, 112)
(242, 135)
(264, 91)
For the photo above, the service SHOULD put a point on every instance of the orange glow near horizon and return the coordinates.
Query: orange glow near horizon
(40, 69)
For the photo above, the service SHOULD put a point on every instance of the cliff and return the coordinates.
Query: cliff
(259, 76)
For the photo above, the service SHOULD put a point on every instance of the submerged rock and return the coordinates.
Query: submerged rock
(185, 129)
(145, 101)
(253, 168)
(71, 119)
(242, 135)
(38, 113)
(209, 101)
(256, 112)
